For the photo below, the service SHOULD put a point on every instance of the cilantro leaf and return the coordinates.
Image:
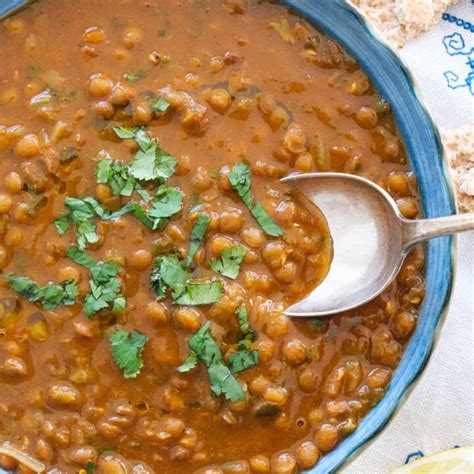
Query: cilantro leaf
(125, 133)
(116, 175)
(269, 226)
(207, 350)
(189, 364)
(81, 213)
(135, 76)
(245, 329)
(169, 273)
(90, 467)
(127, 349)
(197, 236)
(160, 105)
(51, 296)
(229, 263)
(243, 358)
(196, 294)
(240, 179)
(166, 204)
(62, 224)
(151, 162)
(104, 285)
(317, 324)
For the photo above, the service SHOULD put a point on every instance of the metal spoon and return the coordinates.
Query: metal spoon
(370, 239)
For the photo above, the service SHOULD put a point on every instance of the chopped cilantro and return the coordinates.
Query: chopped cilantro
(166, 204)
(245, 329)
(317, 324)
(197, 236)
(104, 285)
(90, 467)
(240, 179)
(62, 224)
(116, 175)
(205, 348)
(196, 294)
(243, 358)
(160, 105)
(151, 161)
(169, 273)
(81, 213)
(136, 76)
(229, 263)
(127, 349)
(51, 296)
(189, 364)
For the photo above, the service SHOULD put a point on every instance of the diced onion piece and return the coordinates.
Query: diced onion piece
(8, 450)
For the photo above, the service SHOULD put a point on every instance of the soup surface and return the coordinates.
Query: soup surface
(148, 249)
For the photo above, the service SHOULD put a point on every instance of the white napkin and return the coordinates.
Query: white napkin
(439, 413)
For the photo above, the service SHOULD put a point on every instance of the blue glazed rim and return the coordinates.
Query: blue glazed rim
(426, 155)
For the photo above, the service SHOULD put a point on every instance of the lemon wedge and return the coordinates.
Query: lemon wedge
(453, 461)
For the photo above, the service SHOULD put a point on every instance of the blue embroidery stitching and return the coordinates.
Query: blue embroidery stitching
(467, 25)
(414, 456)
(455, 45)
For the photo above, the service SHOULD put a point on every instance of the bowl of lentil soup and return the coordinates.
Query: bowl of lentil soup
(148, 249)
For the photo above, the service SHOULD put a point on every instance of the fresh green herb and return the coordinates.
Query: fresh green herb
(205, 348)
(240, 179)
(169, 273)
(90, 467)
(197, 236)
(245, 329)
(243, 358)
(68, 154)
(189, 364)
(151, 161)
(214, 173)
(160, 105)
(166, 204)
(317, 324)
(127, 349)
(104, 284)
(196, 294)
(136, 76)
(62, 224)
(116, 175)
(51, 296)
(229, 263)
(81, 213)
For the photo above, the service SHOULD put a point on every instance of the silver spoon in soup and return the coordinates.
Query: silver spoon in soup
(370, 239)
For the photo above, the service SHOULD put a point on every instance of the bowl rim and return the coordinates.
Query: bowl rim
(366, 433)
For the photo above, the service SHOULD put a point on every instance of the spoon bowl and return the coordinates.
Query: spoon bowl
(370, 239)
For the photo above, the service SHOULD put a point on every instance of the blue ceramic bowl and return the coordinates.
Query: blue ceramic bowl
(394, 82)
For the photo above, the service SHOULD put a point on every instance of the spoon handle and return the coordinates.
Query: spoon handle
(423, 229)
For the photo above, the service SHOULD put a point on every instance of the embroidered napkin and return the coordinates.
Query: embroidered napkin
(439, 413)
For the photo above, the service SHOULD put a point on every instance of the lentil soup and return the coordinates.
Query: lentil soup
(148, 249)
